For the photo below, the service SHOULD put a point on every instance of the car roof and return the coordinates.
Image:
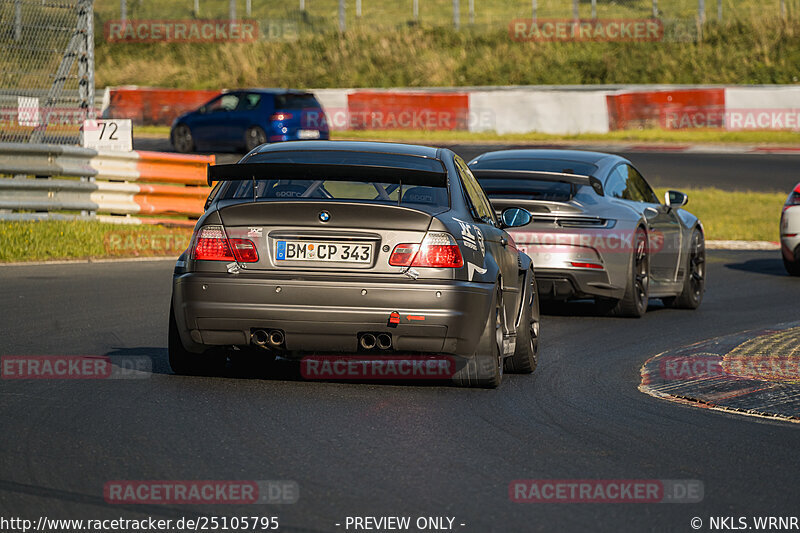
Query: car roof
(581, 156)
(269, 90)
(352, 146)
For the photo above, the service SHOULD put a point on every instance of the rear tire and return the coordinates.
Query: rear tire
(253, 137)
(184, 362)
(526, 353)
(634, 303)
(793, 267)
(694, 284)
(485, 367)
(182, 139)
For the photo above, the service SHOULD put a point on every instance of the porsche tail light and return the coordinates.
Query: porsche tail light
(280, 116)
(211, 244)
(578, 264)
(438, 250)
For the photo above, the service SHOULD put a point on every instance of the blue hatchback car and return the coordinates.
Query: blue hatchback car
(247, 118)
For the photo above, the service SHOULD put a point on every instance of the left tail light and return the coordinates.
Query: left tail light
(437, 250)
(212, 244)
(280, 116)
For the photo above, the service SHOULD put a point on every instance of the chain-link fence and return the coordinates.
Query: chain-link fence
(281, 19)
(46, 69)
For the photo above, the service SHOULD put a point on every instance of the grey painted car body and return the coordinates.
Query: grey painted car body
(324, 308)
(560, 236)
(790, 230)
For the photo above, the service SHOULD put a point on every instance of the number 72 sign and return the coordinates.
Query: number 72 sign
(107, 134)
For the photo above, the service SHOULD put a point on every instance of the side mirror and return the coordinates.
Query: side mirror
(675, 199)
(515, 217)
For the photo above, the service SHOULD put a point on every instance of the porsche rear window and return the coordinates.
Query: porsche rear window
(526, 189)
(563, 166)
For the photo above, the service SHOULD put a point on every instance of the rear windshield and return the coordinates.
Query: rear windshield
(340, 190)
(344, 157)
(295, 101)
(563, 166)
(525, 189)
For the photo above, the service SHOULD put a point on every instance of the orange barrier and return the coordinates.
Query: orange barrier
(659, 109)
(173, 168)
(171, 200)
(150, 105)
(389, 110)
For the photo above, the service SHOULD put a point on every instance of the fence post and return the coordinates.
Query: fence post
(358, 9)
(594, 9)
(415, 9)
(342, 23)
(701, 11)
(302, 5)
(248, 7)
(123, 10)
(456, 14)
(575, 9)
(534, 8)
(232, 9)
(17, 20)
(196, 8)
(472, 11)
(655, 8)
(719, 10)
(783, 8)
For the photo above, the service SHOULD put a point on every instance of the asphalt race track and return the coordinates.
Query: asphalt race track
(384, 449)
(741, 172)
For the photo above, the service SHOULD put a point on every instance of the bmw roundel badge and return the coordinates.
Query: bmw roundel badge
(324, 216)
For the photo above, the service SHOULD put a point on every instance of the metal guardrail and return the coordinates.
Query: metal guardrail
(122, 187)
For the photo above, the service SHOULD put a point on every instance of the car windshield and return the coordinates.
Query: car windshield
(527, 189)
(564, 166)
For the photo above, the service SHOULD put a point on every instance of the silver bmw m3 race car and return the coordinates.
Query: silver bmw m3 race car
(598, 230)
(354, 248)
(790, 233)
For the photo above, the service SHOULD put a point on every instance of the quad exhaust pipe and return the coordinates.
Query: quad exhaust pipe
(370, 341)
(268, 339)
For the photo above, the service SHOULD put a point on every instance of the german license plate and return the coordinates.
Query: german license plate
(308, 134)
(327, 252)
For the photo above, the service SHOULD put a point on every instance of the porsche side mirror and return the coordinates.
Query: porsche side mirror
(675, 199)
(515, 217)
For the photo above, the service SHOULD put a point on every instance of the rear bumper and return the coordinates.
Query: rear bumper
(566, 284)
(435, 317)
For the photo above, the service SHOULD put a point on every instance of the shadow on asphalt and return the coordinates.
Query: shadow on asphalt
(241, 368)
(771, 266)
(587, 308)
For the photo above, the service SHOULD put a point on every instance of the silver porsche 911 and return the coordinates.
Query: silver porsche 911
(598, 230)
(790, 233)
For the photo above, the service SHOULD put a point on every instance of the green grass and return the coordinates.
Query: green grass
(737, 216)
(55, 240)
(725, 215)
(736, 52)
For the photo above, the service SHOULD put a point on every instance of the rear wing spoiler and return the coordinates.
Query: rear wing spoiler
(335, 172)
(574, 179)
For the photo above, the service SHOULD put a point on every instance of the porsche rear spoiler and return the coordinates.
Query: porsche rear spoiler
(574, 179)
(326, 171)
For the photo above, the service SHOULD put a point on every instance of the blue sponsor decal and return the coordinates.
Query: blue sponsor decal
(281, 252)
